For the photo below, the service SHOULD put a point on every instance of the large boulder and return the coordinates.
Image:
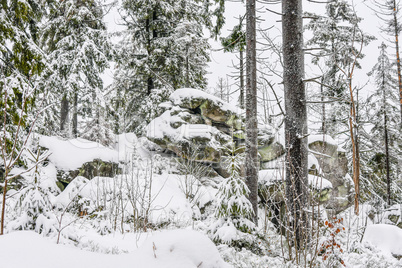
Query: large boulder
(195, 120)
(330, 184)
(333, 165)
(80, 157)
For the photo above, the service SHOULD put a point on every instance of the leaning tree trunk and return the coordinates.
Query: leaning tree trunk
(295, 120)
(251, 109)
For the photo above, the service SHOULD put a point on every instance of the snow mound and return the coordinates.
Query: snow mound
(72, 154)
(169, 249)
(183, 248)
(387, 238)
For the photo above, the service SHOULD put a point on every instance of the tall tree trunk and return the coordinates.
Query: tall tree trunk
(295, 120)
(63, 113)
(3, 205)
(251, 109)
(75, 114)
(387, 160)
(187, 68)
(386, 144)
(241, 79)
(150, 81)
(323, 124)
(353, 129)
(398, 59)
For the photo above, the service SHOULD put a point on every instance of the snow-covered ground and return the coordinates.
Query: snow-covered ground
(152, 217)
(167, 249)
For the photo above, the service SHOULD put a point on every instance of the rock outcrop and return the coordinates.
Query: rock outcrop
(196, 120)
(333, 166)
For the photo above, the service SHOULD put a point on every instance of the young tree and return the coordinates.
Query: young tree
(21, 62)
(295, 120)
(233, 207)
(251, 160)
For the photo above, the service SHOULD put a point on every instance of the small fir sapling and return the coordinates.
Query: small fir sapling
(234, 211)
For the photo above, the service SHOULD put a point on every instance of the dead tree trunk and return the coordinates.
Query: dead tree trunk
(251, 108)
(295, 120)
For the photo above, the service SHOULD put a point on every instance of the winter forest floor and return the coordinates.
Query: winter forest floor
(178, 231)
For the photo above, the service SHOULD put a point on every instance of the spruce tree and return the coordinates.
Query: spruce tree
(76, 40)
(384, 133)
(162, 49)
(334, 34)
(234, 210)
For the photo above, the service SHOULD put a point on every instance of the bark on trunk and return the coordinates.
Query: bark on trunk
(295, 120)
(63, 113)
(75, 115)
(241, 80)
(251, 109)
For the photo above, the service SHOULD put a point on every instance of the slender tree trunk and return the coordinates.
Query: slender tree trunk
(241, 79)
(387, 160)
(386, 144)
(75, 114)
(295, 120)
(251, 109)
(323, 125)
(150, 81)
(3, 205)
(355, 144)
(398, 59)
(63, 113)
(187, 69)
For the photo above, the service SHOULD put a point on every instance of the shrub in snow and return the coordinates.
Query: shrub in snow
(32, 208)
(234, 210)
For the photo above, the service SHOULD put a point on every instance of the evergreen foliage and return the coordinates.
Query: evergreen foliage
(384, 135)
(163, 49)
(234, 210)
(338, 37)
(79, 50)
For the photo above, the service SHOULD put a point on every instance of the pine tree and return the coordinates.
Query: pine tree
(295, 121)
(234, 210)
(385, 133)
(79, 50)
(163, 49)
(389, 11)
(21, 62)
(251, 160)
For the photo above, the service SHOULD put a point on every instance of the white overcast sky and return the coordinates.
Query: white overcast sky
(220, 65)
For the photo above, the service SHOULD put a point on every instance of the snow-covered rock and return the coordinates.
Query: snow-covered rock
(196, 120)
(329, 160)
(385, 237)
